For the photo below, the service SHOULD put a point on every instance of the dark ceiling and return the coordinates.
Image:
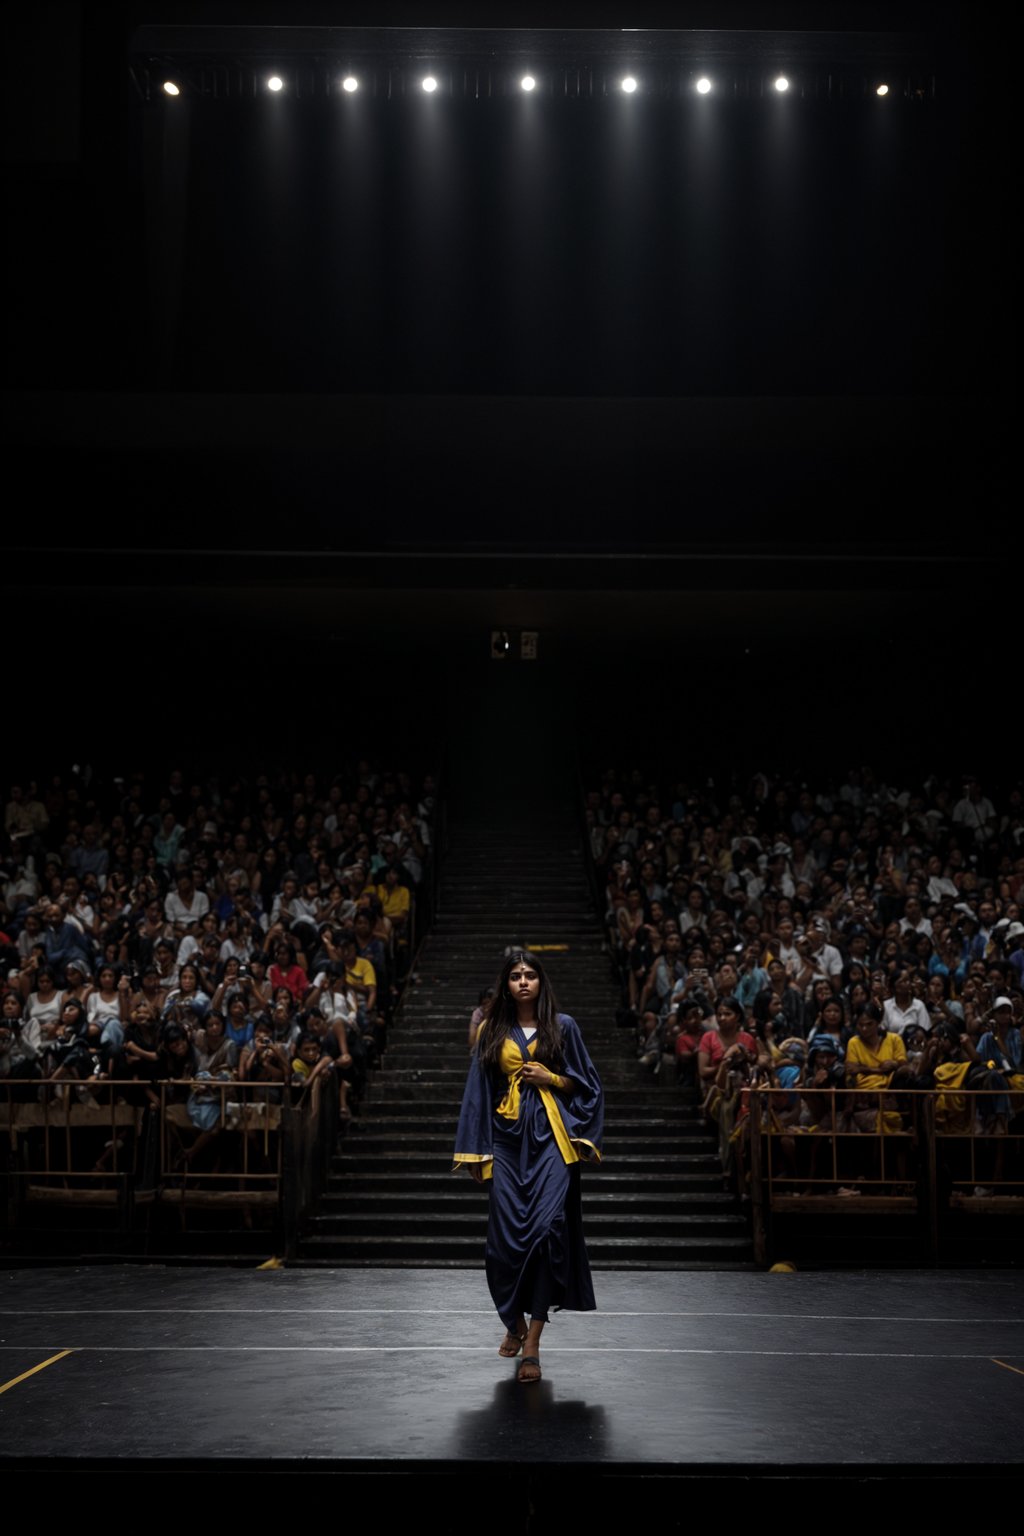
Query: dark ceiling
(174, 385)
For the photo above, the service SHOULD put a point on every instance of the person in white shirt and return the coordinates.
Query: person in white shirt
(784, 947)
(939, 882)
(974, 812)
(186, 905)
(904, 1009)
(825, 960)
(913, 918)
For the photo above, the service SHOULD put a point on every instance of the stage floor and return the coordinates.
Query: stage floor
(394, 1371)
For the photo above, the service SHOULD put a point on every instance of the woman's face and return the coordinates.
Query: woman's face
(107, 979)
(728, 1018)
(11, 1008)
(523, 983)
(188, 981)
(832, 1014)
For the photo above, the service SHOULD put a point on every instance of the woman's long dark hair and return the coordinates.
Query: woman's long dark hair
(502, 1016)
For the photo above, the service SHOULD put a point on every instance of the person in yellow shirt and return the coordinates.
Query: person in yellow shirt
(872, 1061)
(362, 978)
(395, 899)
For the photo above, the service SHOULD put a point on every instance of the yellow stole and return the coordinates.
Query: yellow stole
(512, 1063)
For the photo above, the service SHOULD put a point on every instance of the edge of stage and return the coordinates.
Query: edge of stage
(394, 1374)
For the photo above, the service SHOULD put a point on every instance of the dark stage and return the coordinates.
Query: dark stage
(388, 1372)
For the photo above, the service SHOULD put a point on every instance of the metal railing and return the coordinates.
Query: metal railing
(108, 1145)
(919, 1152)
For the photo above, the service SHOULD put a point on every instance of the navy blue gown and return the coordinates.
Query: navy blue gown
(531, 1141)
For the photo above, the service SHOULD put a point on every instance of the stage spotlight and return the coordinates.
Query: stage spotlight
(528, 83)
(350, 83)
(882, 90)
(275, 83)
(782, 84)
(629, 85)
(430, 84)
(703, 85)
(171, 88)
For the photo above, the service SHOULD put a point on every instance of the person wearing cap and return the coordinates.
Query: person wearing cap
(823, 1074)
(78, 979)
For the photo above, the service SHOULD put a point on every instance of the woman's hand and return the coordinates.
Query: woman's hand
(537, 1074)
(476, 1172)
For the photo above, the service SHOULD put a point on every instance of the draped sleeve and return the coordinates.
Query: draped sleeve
(473, 1143)
(583, 1112)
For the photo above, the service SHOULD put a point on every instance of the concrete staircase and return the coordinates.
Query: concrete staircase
(657, 1201)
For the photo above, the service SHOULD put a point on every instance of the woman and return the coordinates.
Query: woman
(188, 994)
(533, 1106)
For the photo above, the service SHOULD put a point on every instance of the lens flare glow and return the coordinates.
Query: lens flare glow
(782, 84)
(350, 83)
(703, 85)
(629, 85)
(429, 84)
(882, 90)
(275, 83)
(171, 88)
(528, 83)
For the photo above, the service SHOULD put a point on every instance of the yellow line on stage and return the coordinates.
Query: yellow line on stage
(40, 1367)
(1007, 1367)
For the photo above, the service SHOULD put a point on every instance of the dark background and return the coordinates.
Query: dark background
(293, 420)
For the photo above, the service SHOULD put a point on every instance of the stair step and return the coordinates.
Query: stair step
(658, 1200)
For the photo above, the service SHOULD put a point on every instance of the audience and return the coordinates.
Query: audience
(173, 936)
(851, 929)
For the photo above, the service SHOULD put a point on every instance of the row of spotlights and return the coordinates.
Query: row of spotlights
(528, 83)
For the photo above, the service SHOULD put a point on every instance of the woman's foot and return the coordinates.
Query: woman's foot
(529, 1369)
(513, 1341)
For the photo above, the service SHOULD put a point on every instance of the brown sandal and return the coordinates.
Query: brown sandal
(503, 1348)
(528, 1360)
